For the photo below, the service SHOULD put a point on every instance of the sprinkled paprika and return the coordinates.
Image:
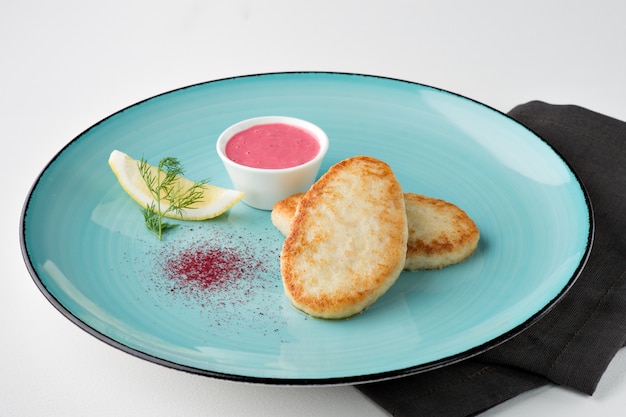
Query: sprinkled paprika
(211, 268)
(231, 279)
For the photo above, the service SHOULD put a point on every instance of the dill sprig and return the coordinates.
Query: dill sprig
(164, 185)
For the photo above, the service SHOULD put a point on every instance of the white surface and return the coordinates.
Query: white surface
(67, 64)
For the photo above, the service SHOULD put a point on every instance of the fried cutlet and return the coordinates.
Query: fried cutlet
(440, 233)
(347, 242)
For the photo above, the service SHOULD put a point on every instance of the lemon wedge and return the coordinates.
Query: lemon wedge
(214, 201)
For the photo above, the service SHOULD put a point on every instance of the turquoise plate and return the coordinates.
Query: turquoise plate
(88, 251)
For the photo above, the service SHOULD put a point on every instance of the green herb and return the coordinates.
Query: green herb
(164, 185)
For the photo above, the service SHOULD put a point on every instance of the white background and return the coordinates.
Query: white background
(66, 64)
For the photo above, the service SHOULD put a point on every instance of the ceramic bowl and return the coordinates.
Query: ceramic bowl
(263, 187)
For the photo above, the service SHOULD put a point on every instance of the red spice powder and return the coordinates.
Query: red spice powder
(230, 279)
(210, 268)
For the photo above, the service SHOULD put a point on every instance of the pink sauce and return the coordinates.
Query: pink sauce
(272, 146)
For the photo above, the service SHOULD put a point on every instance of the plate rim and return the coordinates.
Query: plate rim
(309, 381)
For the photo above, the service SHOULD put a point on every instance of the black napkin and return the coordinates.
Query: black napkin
(573, 344)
